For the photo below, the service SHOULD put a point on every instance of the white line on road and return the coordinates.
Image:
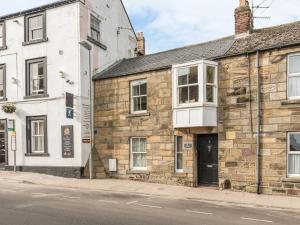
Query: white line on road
(107, 201)
(150, 206)
(71, 197)
(258, 220)
(197, 212)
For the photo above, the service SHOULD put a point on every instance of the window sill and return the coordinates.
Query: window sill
(180, 174)
(3, 48)
(291, 180)
(290, 102)
(95, 42)
(137, 172)
(36, 96)
(3, 99)
(132, 115)
(37, 154)
(34, 42)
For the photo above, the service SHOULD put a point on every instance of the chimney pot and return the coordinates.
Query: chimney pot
(243, 18)
(141, 49)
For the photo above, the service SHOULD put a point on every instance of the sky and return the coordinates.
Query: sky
(170, 24)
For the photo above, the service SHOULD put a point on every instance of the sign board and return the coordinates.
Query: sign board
(86, 124)
(13, 141)
(69, 113)
(188, 145)
(10, 125)
(69, 100)
(86, 141)
(67, 139)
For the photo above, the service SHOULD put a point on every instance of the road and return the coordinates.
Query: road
(30, 204)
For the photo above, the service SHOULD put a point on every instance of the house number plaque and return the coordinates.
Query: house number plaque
(188, 145)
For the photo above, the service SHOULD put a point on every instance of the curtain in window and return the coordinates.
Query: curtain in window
(294, 86)
(294, 164)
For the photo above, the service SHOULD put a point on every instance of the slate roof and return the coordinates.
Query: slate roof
(260, 39)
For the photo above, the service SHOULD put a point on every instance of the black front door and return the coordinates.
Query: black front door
(208, 159)
(2, 142)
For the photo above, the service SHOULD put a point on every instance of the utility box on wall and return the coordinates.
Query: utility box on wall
(112, 165)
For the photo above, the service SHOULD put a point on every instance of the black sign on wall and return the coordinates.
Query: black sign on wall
(67, 139)
(69, 100)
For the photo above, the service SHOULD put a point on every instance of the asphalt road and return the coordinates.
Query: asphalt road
(29, 204)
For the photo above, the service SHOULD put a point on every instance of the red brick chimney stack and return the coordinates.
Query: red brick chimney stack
(243, 18)
(141, 47)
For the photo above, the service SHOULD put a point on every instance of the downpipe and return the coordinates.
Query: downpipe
(258, 166)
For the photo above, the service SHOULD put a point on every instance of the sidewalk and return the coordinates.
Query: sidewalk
(178, 192)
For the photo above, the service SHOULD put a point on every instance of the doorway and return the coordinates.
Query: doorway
(207, 148)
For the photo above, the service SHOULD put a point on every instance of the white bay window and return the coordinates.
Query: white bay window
(195, 94)
(294, 154)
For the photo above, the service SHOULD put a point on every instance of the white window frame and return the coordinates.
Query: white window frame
(291, 153)
(94, 29)
(131, 155)
(176, 154)
(214, 85)
(33, 136)
(28, 31)
(291, 75)
(132, 84)
(201, 82)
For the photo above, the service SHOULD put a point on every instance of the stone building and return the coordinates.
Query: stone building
(189, 116)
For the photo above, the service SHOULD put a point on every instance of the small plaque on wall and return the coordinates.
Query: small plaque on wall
(188, 145)
(67, 141)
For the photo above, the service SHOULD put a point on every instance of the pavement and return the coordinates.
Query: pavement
(209, 195)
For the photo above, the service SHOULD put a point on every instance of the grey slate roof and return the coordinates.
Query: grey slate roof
(37, 9)
(261, 39)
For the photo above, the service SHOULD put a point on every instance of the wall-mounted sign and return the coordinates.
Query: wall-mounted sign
(13, 141)
(67, 138)
(86, 140)
(69, 100)
(10, 125)
(86, 124)
(188, 145)
(69, 113)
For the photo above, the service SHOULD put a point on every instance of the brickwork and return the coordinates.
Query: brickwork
(243, 18)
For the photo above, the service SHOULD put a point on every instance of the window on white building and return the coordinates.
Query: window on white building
(294, 76)
(36, 77)
(211, 84)
(37, 135)
(2, 82)
(95, 28)
(138, 96)
(35, 27)
(2, 35)
(179, 154)
(187, 83)
(294, 154)
(138, 149)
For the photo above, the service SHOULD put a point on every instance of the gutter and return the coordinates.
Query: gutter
(258, 166)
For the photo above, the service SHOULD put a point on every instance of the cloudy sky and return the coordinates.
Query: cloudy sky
(173, 23)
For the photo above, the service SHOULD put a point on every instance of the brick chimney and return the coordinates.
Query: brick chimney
(243, 18)
(141, 49)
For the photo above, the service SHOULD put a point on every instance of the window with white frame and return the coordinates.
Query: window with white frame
(36, 77)
(36, 135)
(2, 82)
(95, 28)
(294, 154)
(187, 85)
(294, 76)
(138, 149)
(35, 27)
(179, 154)
(138, 96)
(211, 84)
(2, 35)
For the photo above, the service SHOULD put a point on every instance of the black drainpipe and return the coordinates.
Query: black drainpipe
(258, 178)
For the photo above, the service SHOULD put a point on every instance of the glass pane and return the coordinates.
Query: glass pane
(1, 75)
(193, 75)
(33, 70)
(182, 76)
(294, 86)
(41, 69)
(137, 104)
(294, 64)
(295, 142)
(179, 161)
(144, 103)
(179, 144)
(183, 95)
(194, 93)
(1, 41)
(210, 74)
(34, 128)
(143, 89)
(135, 144)
(1, 90)
(135, 90)
(139, 160)
(209, 93)
(143, 147)
(41, 128)
(37, 34)
(182, 80)
(1, 30)
(294, 164)
(40, 143)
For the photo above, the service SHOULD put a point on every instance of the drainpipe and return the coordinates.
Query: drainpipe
(258, 178)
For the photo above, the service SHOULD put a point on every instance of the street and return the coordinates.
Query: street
(25, 203)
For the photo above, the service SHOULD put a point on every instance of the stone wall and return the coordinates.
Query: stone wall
(238, 122)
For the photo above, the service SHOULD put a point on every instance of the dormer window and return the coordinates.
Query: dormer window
(195, 94)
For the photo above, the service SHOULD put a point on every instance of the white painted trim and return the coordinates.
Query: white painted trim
(131, 156)
(290, 153)
(133, 83)
(291, 75)
(176, 155)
